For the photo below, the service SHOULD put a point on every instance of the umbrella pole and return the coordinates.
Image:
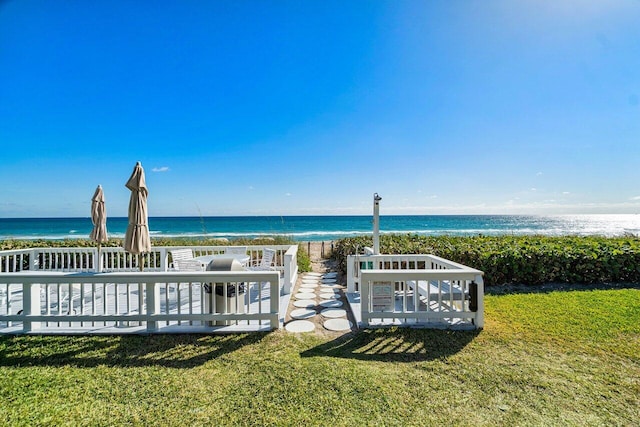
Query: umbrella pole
(99, 266)
(140, 262)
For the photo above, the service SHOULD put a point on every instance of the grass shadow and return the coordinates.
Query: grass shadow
(395, 345)
(171, 351)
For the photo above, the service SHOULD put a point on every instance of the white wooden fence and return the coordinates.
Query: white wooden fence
(57, 302)
(415, 290)
(117, 260)
(58, 290)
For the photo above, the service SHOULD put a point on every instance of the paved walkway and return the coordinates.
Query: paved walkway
(318, 302)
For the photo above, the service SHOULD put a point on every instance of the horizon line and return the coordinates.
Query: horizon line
(326, 215)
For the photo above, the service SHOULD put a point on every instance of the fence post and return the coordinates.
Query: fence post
(164, 259)
(479, 321)
(351, 283)
(31, 305)
(32, 260)
(274, 287)
(290, 269)
(153, 305)
(364, 300)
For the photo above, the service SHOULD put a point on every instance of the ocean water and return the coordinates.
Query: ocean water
(314, 228)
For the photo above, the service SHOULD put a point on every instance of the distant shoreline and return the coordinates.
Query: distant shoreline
(324, 216)
(327, 228)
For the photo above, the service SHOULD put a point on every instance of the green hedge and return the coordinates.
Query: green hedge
(529, 260)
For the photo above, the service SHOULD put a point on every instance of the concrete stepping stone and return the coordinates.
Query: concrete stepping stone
(337, 324)
(303, 313)
(329, 295)
(300, 326)
(331, 303)
(308, 286)
(310, 281)
(333, 313)
(312, 274)
(329, 289)
(305, 295)
(305, 303)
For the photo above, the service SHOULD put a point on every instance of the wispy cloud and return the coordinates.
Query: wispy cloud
(161, 169)
(635, 198)
(287, 194)
(251, 188)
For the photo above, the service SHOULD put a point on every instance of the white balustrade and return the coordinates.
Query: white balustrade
(72, 290)
(13, 260)
(148, 302)
(416, 289)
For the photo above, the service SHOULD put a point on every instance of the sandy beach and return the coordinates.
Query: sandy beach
(318, 264)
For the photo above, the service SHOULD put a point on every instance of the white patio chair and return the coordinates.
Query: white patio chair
(4, 294)
(235, 250)
(183, 260)
(266, 262)
(238, 252)
(187, 265)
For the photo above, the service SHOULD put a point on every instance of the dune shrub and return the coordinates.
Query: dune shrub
(528, 260)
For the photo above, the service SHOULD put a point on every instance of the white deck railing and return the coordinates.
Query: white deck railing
(113, 259)
(149, 302)
(415, 289)
(74, 289)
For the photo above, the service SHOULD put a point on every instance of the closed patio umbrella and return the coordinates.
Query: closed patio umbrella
(99, 220)
(136, 239)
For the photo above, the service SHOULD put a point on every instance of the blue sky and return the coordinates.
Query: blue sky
(309, 107)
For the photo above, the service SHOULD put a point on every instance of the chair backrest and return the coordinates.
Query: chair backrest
(267, 257)
(181, 254)
(235, 250)
(180, 259)
(187, 265)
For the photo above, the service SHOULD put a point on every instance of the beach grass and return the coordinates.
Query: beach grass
(558, 358)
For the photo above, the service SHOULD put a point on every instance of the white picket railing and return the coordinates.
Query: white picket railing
(358, 263)
(114, 259)
(149, 302)
(72, 289)
(415, 290)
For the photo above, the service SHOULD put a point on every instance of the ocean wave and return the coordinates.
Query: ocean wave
(334, 235)
(550, 226)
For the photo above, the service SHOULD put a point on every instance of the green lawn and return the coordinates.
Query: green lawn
(560, 358)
